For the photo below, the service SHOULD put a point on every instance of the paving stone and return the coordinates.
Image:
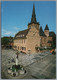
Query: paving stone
(40, 66)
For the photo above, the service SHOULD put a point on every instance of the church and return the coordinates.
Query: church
(27, 40)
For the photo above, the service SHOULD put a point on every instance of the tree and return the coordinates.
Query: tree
(53, 42)
(5, 41)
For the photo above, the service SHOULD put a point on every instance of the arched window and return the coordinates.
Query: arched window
(22, 41)
(18, 47)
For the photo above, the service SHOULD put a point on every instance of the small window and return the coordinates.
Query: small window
(24, 40)
(18, 47)
(15, 46)
(23, 34)
(19, 35)
(23, 48)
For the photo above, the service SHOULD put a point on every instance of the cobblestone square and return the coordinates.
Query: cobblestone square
(38, 65)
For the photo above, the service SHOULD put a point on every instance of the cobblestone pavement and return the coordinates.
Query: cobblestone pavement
(39, 66)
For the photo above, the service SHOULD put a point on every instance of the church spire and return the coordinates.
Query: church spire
(46, 28)
(33, 19)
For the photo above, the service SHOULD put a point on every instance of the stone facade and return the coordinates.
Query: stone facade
(33, 39)
(34, 36)
(46, 32)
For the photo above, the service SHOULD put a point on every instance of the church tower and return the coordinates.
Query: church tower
(46, 30)
(33, 20)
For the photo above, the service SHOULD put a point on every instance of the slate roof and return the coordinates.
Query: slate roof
(46, 28)
(41, 32)
(24, 32)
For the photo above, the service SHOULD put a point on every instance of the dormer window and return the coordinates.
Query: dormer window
(23, 34)
(16, 36)
(19, 35)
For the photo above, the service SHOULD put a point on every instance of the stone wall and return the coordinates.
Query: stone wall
(46, 32)
(33, 39)
(21, 44)
(35, 25)
(44, 41)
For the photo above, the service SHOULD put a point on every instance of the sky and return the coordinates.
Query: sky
(15, 15)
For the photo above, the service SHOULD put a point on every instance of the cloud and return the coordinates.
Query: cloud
(7, 33)
(16, 28)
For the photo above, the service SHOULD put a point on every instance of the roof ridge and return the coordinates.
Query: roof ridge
(23, 32)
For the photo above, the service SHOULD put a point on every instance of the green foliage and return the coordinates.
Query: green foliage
(42, 49)
(5, 41)
(16, 68)
(49, 48)
(53, 42)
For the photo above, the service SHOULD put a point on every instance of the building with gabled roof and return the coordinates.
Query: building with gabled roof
(27, 40)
